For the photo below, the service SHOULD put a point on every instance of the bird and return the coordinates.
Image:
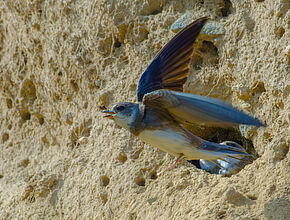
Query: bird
(163, 110)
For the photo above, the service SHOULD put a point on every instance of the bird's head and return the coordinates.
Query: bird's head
(123, 113)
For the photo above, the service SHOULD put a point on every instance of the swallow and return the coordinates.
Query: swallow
(163, 109)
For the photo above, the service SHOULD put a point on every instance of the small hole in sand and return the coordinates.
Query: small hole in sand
(140, 181)
(210, 51)
(80, 133)
(258, 88)
(25, 115)
(24, 163)
(68, 118)
(153, 175)
(41, 120)
(156, 11)
(221, 214)
(280, 32)
(122, 157)
(252, 197)
(117, 43)
(44, 140)
(74, 85)
(105, 180)
(5, 137)
(104, 198)
(227, 9)
(9, 103)
(86, 105)
(28, 91)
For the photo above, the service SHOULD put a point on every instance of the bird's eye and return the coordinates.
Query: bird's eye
(120, 108)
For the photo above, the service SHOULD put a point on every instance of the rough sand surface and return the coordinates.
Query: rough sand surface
(62, 62)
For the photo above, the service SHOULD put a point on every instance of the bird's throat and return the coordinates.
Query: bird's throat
(136, 126)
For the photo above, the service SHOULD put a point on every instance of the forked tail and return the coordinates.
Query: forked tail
(233, 158)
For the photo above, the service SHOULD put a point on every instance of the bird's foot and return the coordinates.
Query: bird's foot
(156, 150)
(177, 161)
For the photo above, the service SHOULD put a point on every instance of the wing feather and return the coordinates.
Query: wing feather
(190, 108)
(169, 69)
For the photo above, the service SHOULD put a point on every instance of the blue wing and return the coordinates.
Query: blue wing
(190, 108)
(169, 69)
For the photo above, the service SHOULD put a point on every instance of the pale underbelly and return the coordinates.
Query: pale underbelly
(172, 142)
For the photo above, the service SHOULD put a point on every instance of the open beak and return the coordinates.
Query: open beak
(110, 115)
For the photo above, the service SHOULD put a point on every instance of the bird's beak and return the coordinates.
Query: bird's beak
(110, 115)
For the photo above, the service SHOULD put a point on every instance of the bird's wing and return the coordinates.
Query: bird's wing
(190, 108)
(169, 69)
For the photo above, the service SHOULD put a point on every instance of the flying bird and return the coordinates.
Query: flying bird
(163, 108)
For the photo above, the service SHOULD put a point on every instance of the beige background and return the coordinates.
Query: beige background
(61, 62)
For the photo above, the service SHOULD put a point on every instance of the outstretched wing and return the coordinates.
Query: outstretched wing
(190, 108)
(169, 69)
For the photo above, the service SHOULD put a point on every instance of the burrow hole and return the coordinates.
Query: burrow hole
(105, 180)
(140, 181)
(227, 10)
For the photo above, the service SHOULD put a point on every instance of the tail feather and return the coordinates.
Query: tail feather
(231, 161)
(227, 148)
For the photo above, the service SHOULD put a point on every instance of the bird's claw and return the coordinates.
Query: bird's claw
(177, 161)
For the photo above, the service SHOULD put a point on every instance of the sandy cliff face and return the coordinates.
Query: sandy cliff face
(62, 62)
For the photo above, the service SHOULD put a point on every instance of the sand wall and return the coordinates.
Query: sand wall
(63, 62)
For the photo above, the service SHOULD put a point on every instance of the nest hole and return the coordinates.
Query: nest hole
(218, 135)
(227, 10)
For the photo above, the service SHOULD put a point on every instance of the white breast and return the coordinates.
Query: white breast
(168, 141)
(175, 143)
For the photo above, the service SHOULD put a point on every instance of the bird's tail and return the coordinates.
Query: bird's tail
(231, 158)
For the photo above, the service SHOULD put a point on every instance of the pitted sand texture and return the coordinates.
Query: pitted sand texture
(63, 62)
